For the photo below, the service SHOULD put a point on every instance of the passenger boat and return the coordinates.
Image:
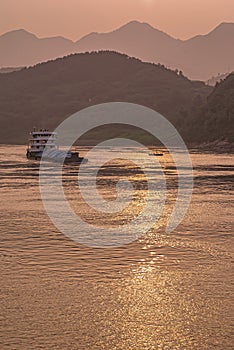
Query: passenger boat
(46, 141)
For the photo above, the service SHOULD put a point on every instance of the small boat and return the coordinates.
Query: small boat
(156, 154)
(46, 141)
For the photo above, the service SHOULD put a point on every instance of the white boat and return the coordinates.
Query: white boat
(41, 139)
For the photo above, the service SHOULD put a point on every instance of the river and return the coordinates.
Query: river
(162, 291)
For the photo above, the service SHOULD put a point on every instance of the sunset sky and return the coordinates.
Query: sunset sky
(75, 18)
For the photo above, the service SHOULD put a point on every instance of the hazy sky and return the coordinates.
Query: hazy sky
(75, 18)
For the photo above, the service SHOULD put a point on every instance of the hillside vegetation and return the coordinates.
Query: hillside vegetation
(46, 94)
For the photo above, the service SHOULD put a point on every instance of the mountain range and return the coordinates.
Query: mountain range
(199, 58)
(44, 95)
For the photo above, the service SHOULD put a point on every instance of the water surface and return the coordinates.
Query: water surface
(160, 292)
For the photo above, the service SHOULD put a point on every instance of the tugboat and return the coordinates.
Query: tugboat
(39, 140)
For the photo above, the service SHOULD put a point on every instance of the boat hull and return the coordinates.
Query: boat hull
(156, 154)
(73, 159)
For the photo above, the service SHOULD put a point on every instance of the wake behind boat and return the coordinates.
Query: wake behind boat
(46, 141)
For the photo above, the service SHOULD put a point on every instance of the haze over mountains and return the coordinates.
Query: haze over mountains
(199, 58)
(44, 95)
(20, 48)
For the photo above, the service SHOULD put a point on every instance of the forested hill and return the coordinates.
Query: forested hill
(46, 94)
(214, 120)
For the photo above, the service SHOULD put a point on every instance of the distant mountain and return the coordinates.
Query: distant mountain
(207, 55)
(135, 39)
(199, 58)
(46, 94)
(10, 69)
(21, 48)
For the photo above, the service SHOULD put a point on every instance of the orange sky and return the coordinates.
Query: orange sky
(75, 18)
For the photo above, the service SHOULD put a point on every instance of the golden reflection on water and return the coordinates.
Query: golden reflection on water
(159, 313)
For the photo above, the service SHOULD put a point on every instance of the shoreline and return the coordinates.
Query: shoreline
(219, 147)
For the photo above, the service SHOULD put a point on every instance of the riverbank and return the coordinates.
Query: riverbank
(214, 147)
